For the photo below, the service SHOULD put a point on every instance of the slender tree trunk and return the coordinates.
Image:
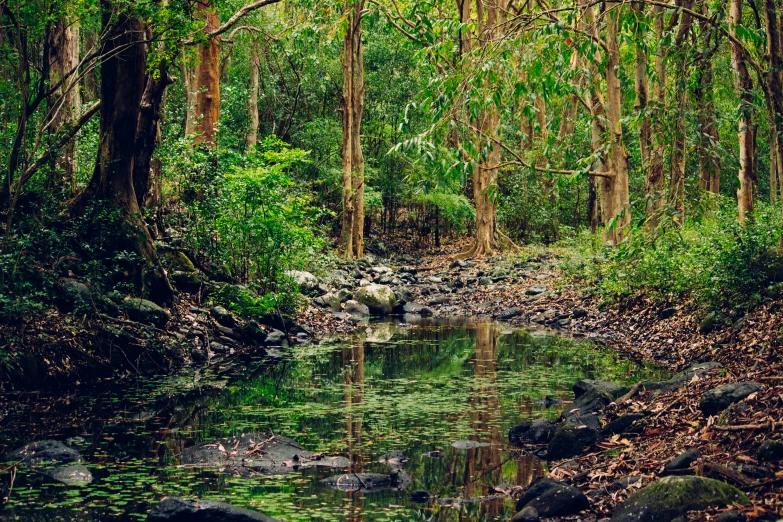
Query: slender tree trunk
(603, 214)
(773, 17)
(348, 141)
(92, 88)
(187, 74)
(641, 87)
(655, 181)
(64, 104)
(207, 88)
(357, 181)
(252, 103)
(617, 185)
(744, 86)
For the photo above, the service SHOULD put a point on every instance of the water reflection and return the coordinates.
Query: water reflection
(411, 389)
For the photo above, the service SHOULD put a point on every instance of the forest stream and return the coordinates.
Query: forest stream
(429, 404)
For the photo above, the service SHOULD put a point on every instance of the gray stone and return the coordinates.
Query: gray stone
(223, 316)
(356, 309)
(682, 378)
(44, 451)
(528, 514)
(731, 515)
(71, 475)
(172, 509)
(509, 313)
(552, 499)
(718, 399)
(379, 299)
(536, 290)
(538, 432)
(308, 284)
(586, 385)
(683, 460)
(276, 338)
(673, 496)
(147, 312)
(771, 451)
(417, 309)
(74, 295)
(622, 424)
(570, 441)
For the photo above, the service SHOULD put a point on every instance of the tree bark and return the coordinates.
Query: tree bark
(655, 181)
(773, 18)
(207, 88)
(357, 181)
(744, 86)
(64, 103)
(251, 139)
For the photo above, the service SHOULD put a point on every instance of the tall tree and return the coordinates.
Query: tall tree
(207, 77)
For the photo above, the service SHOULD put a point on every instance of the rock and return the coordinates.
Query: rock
(176, 260)
(308, 284)
(395, 459)
(718, 399)
(771, 451)
(74, 295)
(172, 509)
(683, 460)
(338, 279)
(569, 441)
(589, 420)
(380, 270)
(551, 498)
(578, 313)
(356, 309)
(440, 300)
(590, 402)
(330, 300)
(509, 313)
(672, 496)
(71, 475)
(252, 332)
(417, 309)
(403, 294)
(681, 379)
(381, 332)
(667, 313)
(276, 338)
(222, 316)
(538, 432)
(731, 515)
(528, 514)
(366, 482)
(190, 282)
(623, 483)
(584, 386)
(536, 290)
(485, 280)
(379, 299)
(420, 496)
(711, 321)
(621, 424)
(749, 470)
(44, 451)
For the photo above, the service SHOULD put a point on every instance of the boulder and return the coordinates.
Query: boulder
(172, 509)
(672, 496)
(682, 461)
(536, 290)
(551, 498)
(367, 482)
(417, 309)
(356, 309)
(379, 299)
(420, 496)
(147, 312)
(731, 515)
(570, 441)
(223, 316)
(329, 300)
(49, 451)
(537, 432)
(587, 385)
(190, 282)
(718, 399)
(276, 338)
(622, 424)
(308, 284)
(771, 451)
(74, 295)
(176, 260)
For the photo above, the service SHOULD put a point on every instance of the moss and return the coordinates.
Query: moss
(672, 496)
(176, 260)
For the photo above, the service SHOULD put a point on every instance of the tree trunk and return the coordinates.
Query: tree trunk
(348, 156)
(744, 86)
(597, 108)
(357, 174)
(252, 103)
(64, 103)
(655, 181)
(615, 187)
(642, 88)
(207, 88)
(774, 84)
(122, 86)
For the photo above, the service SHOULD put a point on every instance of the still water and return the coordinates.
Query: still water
(411, 388)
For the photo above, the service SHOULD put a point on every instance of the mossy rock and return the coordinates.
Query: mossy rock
(190, 282)
(147, 312)
(177, 261)
(673, 496)
(380, 299)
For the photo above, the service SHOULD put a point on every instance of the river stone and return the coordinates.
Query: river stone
(683, 460)
(509, 313)
(587, 385)
(528, 514)
(672, 496)
(276, 338)
(417, 309)
(176, 261)
(535, 290)
(71, 475)
(379, 299)
(172, 509)
(682, 378)
(190, 282)
(731, 515)
(364, 482)
(147, 312)
(718, 399)
(44, 451)
(771, 451)
(307, 282)
(622, 424)
(590, 402)
(395, 459)
(356, 309)
(551, 498)
(570, 441)
(538, 432)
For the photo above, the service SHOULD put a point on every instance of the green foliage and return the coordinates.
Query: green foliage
(714, 260)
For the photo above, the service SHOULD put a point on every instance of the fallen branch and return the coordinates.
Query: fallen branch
(630, 393)
(741, 427)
